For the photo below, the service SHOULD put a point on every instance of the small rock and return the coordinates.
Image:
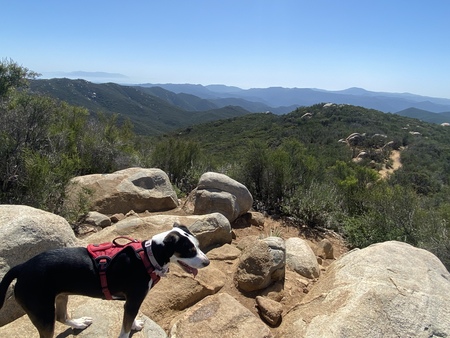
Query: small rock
(269, 310)
(213, 229)
(225, 252)
(257, 219)
(325, 249)
(117, 217)
(97, 219)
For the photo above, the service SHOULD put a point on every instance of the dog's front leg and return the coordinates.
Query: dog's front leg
(131, 309)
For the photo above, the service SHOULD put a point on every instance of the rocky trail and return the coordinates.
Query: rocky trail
(396, 164)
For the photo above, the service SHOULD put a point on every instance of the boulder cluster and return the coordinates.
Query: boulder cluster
(256, 285)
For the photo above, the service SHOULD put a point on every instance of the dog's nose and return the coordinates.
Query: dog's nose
(206, 263)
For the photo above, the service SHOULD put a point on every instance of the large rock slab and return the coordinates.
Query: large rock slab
(26, 232)
(212, 231)
(179, 290)
(211, 228)
(219, 193)
(261, 264)
(390, 289)
(107, 322)
(137, 189)
(219, 316)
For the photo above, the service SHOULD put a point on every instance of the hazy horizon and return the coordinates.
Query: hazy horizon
(381, 46)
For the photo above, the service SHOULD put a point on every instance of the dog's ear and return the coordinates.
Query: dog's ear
(170, 242)
(182, 227)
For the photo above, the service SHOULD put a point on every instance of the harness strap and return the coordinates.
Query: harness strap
(103, 263)
(148, 266)
(102, 260)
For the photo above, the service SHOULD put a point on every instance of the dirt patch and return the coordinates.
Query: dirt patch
(396, 164)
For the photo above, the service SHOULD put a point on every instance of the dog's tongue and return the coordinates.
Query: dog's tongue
(188, 268)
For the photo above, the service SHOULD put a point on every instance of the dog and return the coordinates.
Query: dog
(45, 281)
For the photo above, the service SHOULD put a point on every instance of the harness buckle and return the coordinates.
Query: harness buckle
(102, 263)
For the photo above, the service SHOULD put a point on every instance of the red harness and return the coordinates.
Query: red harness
(104, 253)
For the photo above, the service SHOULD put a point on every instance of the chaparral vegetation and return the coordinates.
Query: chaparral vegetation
(317, 167)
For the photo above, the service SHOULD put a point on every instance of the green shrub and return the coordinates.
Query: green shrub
(316, 205)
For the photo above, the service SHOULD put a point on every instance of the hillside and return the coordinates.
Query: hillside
(425, 115)
(192, 102)
(150, 114)
(320, 129)
(370, 175)
(155, 110)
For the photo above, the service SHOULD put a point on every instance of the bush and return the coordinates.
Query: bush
(317, 205)
(182, 161)
(390, 213)
(273, 174)
(44, 143)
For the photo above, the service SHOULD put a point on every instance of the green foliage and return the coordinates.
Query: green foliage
(352, 181)
(389, 213)
(316, 205)
(295, 166)
(13, 76)
(149, 114)
(182, 161)
(292, 165)
(44, 143)
(79, 206)
(272, 174)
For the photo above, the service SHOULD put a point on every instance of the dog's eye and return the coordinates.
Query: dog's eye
(186, 248)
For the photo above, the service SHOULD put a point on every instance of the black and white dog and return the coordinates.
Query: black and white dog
(45, 281)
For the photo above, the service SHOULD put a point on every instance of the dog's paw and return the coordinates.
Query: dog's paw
(79, 323)
(138, 325)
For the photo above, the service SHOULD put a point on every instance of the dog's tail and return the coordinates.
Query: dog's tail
(7, 279)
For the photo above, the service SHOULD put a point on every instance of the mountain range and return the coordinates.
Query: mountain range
(286, 98)
(159, 108)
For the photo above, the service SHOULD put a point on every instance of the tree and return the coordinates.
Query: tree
(13, 76)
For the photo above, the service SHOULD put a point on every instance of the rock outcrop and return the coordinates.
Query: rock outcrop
(179, 291)
(390, 289)
(211, 231)
(107, 322)
(219, 316)
(261, 264)
(25, 232)
(137, 189)
(219, 193)
(301, 258)
(254, 287)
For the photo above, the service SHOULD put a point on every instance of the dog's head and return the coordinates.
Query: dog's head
(179, 246)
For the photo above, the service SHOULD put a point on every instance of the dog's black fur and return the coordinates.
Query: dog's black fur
(48, 278)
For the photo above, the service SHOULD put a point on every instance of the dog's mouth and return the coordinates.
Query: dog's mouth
(187, 268)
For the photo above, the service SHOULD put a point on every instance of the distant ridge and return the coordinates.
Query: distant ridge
(425, 115)
(150, 114)
(288, 97)
(160, 109)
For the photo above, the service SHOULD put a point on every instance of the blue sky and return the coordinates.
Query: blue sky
(392, 46)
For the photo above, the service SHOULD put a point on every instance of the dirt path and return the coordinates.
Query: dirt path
(396, 164)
